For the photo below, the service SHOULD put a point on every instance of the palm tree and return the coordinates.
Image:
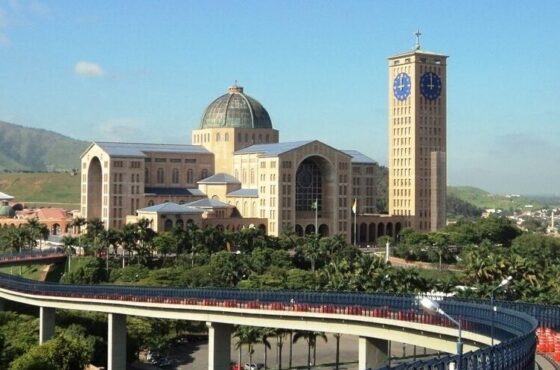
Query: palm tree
(94, 229)
(280, 336)
(145, 236)
(265, 333)
(337, 358)
(249, 336)
(108, 238)
(69, 241)
(78, 222)
(37, 230)
(311, 338)
(311, 250)
(128, 240)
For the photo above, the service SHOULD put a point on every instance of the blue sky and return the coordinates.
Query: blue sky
(145, 71)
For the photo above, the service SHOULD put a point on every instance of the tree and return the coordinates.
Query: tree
(37, 231)
(79, 222)
(67, 351)
(69, 242)
(311, 338)
(311, 250)
(249, 336)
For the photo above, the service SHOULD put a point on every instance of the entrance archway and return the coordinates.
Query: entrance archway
(94, 184)
(324, 230)
(299, 230)
(310, 229)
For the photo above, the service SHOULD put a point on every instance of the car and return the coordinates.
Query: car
(253, 366)
(235, 366)
(163, 362)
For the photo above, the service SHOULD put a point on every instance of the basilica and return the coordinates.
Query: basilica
(237, 173)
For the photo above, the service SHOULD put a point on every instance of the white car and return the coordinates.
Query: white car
(254, 366)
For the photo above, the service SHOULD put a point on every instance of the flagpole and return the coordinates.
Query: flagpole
(355, 229)
(316, 210)
(355, 210)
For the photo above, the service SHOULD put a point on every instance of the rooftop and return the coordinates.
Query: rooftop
(220, 178)
(208, 203)
(140, 149)
(235, 110)
(273, 149)
(173, 191)
(4, 196)
(170, 208)
(358, 157)
(244, 193)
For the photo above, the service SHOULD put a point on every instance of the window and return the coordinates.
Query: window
(160, 176)
(204, 174)
(175, 176)
(190, 176)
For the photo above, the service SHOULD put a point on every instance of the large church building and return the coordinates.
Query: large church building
(238, 174)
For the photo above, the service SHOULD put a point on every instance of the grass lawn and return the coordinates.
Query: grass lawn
(45, 189)
(33, 272)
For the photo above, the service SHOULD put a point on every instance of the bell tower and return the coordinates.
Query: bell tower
(418, 137)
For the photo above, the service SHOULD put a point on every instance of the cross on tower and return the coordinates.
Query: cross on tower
(418, 34)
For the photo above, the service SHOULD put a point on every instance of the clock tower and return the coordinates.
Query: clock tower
(417, 137)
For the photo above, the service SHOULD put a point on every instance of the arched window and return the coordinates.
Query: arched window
(204, 174)
(175, 176)
(168, 225)
(190, 176)
(147, 175)
(252, 175)
(150, 203)
(218, 136)
(160, 176)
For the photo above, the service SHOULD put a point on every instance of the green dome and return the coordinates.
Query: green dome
(235, 110)
(7, 211)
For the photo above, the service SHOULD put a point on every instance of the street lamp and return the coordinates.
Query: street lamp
(432, 307)
(502, 284)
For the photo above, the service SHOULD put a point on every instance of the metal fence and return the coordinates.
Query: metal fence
(515, 322)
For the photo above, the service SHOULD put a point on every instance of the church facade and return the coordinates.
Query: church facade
(238, 174)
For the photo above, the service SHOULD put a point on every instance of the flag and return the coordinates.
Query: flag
(355, 206)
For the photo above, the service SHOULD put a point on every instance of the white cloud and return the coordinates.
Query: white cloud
(88, 69)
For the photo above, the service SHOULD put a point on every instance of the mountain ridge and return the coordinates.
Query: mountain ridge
(34, 149)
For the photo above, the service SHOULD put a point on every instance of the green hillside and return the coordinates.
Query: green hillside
(483, 199)
(54, 189)
(31, 149)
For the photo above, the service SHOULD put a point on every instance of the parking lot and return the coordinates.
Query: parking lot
(194, 355)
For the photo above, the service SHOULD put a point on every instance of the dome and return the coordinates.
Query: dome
(235, 110)
(7, 211)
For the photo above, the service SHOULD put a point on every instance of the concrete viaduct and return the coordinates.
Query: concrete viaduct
(375, 319)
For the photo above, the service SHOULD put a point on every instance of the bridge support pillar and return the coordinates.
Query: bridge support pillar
(46, 324)
(219, 345)
(116, 342)
(372, 353)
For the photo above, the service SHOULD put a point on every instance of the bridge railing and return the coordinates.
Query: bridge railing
(514, 329)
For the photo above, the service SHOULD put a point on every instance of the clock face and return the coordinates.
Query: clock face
(401, 86)
(430, 85)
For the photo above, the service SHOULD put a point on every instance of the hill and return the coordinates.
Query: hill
(483, 199)
(31, 149)
(45, 189)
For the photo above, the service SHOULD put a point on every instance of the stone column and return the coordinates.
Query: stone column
(219, 345)
(116, 342)
(46, 324)
(372, 353)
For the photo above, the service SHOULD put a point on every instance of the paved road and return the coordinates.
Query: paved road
(194, 356)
